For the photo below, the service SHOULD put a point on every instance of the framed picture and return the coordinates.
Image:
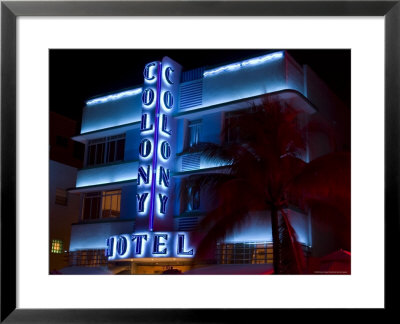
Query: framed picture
(186, 27)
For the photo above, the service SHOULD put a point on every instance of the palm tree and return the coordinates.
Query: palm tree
(266, 173)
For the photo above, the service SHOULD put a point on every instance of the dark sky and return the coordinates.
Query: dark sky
(77, 75)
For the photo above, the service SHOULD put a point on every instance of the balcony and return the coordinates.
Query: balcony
(112, 110)
(107, 174)
(90, 236)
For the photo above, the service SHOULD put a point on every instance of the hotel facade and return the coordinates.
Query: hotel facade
(137, 154)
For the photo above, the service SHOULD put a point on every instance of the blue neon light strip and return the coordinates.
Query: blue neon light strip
(106, 174)
(114, 97)
(236, 66)
(155, 150)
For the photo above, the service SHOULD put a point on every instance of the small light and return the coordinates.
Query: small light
(236, 66)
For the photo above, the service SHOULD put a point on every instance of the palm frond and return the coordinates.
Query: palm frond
(216, 231)
(266, 171)
(325, 179)
(317, 125)
(232, 211)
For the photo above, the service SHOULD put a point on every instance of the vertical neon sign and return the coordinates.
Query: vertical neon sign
(157, 148)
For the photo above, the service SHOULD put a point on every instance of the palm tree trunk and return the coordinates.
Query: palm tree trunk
(275, 240)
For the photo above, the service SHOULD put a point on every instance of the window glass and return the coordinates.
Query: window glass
(111, 203)
(106, 150)
(56, 246)
(91, 205)
(100, 153)
(104, 204)
(91, 155)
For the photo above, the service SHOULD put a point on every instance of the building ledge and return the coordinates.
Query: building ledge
(104, 132)
(292, 97)
(103, 220)
(103, 186)
(107, 174)
(106, 164)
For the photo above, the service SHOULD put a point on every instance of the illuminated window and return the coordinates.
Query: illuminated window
(56, 246)
(101, 204)
(106, 150)
(96, 151)
(248, 252)
(111, 204)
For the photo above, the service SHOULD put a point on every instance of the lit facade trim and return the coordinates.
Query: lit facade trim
(114, 97)
(250, 62)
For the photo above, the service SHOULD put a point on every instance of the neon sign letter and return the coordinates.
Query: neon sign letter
(139, 241)
(157, 128)
(149, 245)
(157, 244)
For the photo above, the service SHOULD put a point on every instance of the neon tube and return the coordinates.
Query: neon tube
(236, 66)
(114, 97)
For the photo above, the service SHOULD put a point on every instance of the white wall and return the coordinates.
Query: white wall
(112, 113)
(258, 228)
(107, 174)
(94, 235)
(245, 82)
(61, 217)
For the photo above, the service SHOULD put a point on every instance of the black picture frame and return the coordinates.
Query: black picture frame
(10, 10)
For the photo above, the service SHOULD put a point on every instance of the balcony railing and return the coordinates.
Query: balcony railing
(86, 258)
(248, 253)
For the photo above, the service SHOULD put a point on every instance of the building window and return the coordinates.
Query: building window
(106, 150)
(102, 204)
(91, 205)
(244, 253)
(231, 125)
(248, 252)
(87, 258)
(194, 199)
(194, 129)
(111, 203)
(61, 197)
(232, 122)
(96, 151)
(56, 246)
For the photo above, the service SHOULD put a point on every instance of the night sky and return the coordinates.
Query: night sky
(77, 75)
